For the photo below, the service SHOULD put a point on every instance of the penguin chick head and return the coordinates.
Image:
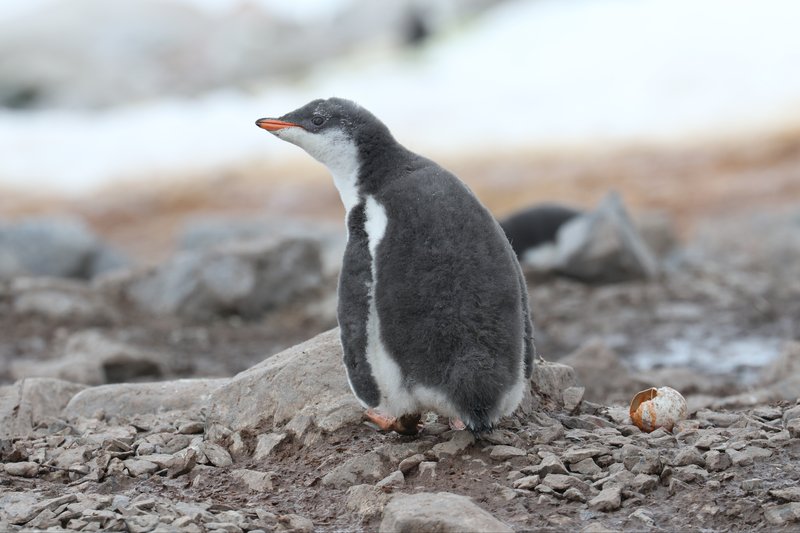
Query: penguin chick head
(330, 131)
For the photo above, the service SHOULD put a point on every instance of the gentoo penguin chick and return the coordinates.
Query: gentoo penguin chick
(433, 307)
(536, 225)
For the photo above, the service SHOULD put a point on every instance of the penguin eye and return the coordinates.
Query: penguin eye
(317, 121)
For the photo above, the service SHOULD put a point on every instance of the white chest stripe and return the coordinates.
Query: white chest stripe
(395, 399)
(375, 227)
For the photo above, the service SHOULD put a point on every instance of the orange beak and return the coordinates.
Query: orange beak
(270, 124)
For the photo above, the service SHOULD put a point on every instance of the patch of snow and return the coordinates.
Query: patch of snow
(536, 73)
(711, 355)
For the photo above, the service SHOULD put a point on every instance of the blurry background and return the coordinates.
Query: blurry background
(132, 122)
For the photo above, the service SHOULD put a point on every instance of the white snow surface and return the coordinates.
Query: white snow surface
(544, 73)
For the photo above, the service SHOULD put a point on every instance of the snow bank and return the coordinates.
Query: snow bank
(547, 72)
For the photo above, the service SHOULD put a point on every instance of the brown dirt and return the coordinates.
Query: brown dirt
(689, 183)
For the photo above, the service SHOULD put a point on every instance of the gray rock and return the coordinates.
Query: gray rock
(602, 246)
(297, 523)
(427, 471)
(163, 443)
(217, 455)
(785, 366)
(643, 517)
(366, 501)
(458, 443)
(574, 495)
(550, 465)
(502, 452)
(44, 520)
(369, 467)
(18, 507)
(769, 412)
(791, 414)
(61, 301)
(266, 443)
(690, 474)
(54, 247)
(203, 233)
(71, 456)
(410, 463)
(789, 494)
(708, 441)
(609, 499)
(22, 469)
(718, 419)
(395, 453)
(779, 439)
(191, 427)
(527, 482)
(748, 455)
(139, 467)
(688, 455)
(245, 278)
(442, 512)
(393, 481)
(717, 461)
(752, 485)
(644, 483)
(587, 467)
(93, 358)
(622, 477)
(255, 480)
(657, 230)
(572, 398)
(576, 455)
(793, 427)
(128, 399)
(306, 381)
(28, 402)
(642, 461)
(141, 523)
(548, 383)
(560, 483)
(550, 434)
(181, 463)
(780, 515)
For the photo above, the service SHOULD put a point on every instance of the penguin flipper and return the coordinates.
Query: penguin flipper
(528, 347)
(355, 282)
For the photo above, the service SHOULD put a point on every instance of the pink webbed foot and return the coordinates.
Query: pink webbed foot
(405, 425)
(457, 424)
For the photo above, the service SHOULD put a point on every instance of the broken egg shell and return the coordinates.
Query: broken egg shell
(656, 408)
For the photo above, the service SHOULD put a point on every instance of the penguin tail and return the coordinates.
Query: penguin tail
(480, 427)
(475, 393)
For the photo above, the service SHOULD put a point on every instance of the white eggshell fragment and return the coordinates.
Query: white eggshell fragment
(658, 408)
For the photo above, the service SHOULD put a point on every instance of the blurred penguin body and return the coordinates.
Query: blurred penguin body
(539, 224)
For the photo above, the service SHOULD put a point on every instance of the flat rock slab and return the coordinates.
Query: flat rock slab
(127, 399)
(441, 512)
(301, 386)
(30, 401)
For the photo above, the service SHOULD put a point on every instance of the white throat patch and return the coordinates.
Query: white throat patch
(334, 150)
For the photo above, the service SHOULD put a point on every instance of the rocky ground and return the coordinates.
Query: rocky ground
(280, 448)
(148, 398)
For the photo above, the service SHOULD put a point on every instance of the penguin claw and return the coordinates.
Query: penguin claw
(405, 425)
